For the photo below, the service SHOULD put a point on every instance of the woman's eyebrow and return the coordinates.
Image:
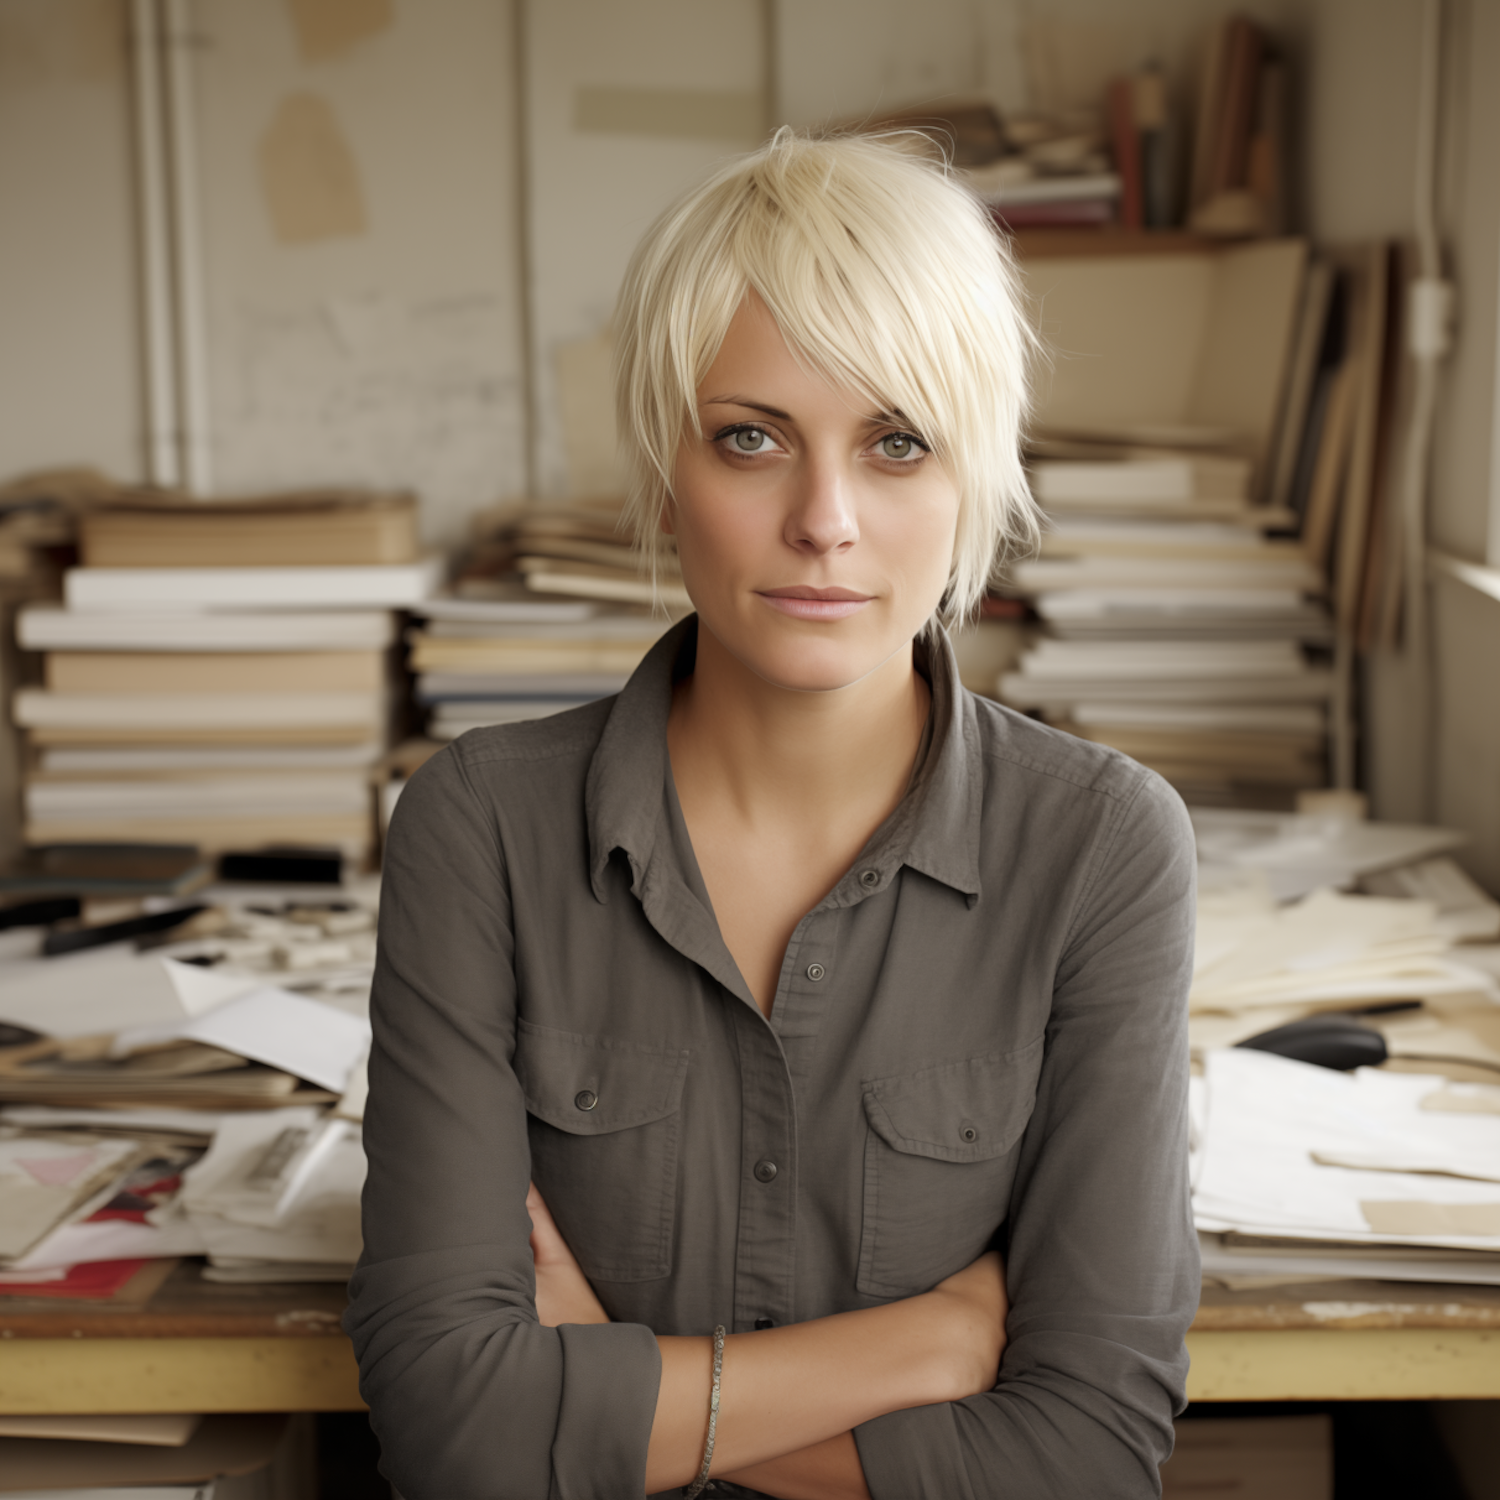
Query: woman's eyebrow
(894, 417)
(770, 411)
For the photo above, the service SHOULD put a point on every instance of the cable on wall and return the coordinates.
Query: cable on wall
(149, 144)
(1429, 313)
(178, 419)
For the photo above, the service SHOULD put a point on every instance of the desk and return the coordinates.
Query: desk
(200, 1347)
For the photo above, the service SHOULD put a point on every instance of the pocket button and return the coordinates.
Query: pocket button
(585, 1098)
(765, 1171)
(970, 1133)
(815, 972)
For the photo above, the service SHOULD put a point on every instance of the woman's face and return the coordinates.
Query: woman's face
(815, 534)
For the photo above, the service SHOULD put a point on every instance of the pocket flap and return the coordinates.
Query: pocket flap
(963, 1111)
(593, 1085)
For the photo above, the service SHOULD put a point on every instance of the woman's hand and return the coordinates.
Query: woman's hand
(972, 1305)
(563, 1293)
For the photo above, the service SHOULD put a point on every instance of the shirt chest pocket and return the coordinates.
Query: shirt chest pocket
(940, 1157)
(603, 1120)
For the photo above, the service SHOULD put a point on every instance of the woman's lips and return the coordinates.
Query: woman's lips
(815, 604)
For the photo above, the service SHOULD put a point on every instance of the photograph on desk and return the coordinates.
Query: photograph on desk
(676, 677)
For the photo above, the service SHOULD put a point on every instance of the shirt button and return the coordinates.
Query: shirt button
(815, 972)
(970, 1134)
(765, 1171)
(762, 1323)
(585, 1098)
(870, 877)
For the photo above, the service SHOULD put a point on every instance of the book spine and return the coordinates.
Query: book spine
(1127, 152)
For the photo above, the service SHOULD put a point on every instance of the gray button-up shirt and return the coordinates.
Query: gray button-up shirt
(978, 1036)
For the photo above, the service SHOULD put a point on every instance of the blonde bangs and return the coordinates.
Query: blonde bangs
(885, 277)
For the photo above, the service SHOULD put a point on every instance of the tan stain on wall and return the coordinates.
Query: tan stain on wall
(683, 114)
(309, 174)
(328, 28)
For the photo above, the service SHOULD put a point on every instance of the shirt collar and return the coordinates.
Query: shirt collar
(935, 829)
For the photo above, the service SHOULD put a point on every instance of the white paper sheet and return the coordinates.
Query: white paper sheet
(272, 1026)
(1266, 1118)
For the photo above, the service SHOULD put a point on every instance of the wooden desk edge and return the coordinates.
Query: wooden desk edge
(120, 1375)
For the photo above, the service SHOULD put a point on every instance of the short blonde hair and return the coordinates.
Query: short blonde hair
(885, 276)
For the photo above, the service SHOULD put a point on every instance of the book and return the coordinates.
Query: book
(1312, 321)
(49, 627)
(274, 794)
(1212, 82)
(1163, 480)
(1155, 132)
(1033, 690)
(214, 672)
(149, 868)
(576, 686)
(1047, 574)
(171, 760)
(547, 576)
(387, 586)
(491, 655)
(1330, 465)
(1350, 557)
(1162, 659)
(1070, 536)
(349, 832)
(1125, 143)
(168, 713)
(153, 530)
(507, 612)
(450, 720)
(1305, 720)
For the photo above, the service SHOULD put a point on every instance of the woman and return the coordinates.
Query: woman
(796, 979)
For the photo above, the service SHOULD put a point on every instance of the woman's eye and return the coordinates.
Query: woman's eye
(749, 440)
(900, 445)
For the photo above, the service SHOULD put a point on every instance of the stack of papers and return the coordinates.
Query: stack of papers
(1175, 630)
(170, 1108)
(277, 1197)
(1293, 1155)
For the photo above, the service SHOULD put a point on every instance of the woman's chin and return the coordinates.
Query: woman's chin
(815, 666)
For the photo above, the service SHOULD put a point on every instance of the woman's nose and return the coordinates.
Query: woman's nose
(822, 517)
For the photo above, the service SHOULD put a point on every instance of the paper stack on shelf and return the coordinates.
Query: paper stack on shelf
(219, 674)
(1177, 632)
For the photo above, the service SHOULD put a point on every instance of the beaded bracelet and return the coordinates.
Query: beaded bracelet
(701, 1482)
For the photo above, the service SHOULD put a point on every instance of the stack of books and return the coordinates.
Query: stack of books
(1177, 631)
(218, 674)
(481, 662)
(552, 608)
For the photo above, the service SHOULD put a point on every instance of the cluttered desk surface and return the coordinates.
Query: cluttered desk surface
(184, 1185)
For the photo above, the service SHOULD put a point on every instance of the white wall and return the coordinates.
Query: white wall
(392, 354)
(69, 378)
(627, 106)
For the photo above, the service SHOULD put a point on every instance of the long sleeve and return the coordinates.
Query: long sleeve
(1102, 1263)
(469, 1394)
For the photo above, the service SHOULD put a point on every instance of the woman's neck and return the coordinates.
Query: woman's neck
(783, 756)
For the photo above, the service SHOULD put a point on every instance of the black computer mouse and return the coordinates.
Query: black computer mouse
(1330, 1041)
